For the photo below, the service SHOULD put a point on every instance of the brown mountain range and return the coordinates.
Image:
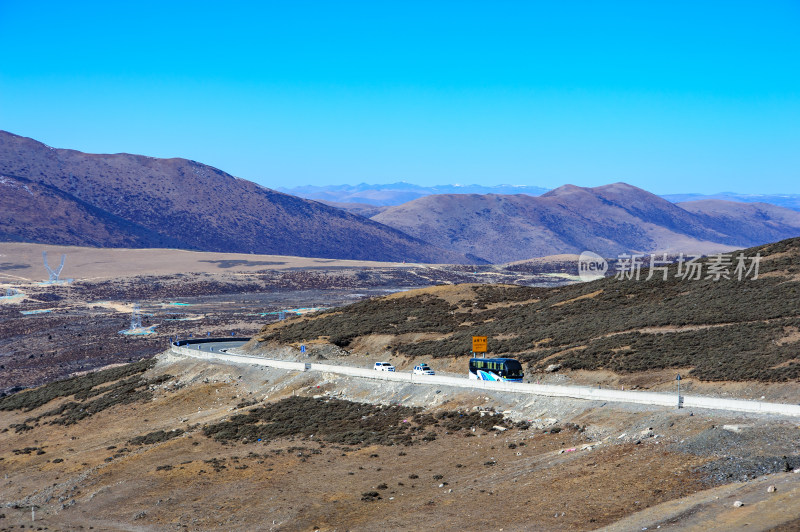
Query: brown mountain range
(609, 220)
(57, 196)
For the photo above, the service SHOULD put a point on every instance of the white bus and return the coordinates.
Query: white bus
(495, 369)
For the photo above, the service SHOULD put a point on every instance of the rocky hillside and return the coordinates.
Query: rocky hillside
(38, 212)
(714, 330)
(608, 220)
(57, 196)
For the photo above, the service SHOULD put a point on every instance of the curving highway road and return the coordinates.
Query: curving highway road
(223, 350)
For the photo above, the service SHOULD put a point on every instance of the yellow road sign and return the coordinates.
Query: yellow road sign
(479, 344)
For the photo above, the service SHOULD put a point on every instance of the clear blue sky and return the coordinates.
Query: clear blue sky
(670, 96)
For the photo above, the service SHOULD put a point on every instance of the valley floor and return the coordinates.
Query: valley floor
(51, 331)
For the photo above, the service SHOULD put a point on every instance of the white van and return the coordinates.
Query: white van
(423, 369)
(383, 366)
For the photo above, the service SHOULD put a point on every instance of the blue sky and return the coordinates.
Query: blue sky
(670, 96)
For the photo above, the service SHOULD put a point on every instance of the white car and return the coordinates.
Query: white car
(383, 366)
(423, 369)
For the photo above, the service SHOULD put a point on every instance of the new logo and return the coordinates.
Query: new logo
(591, 266)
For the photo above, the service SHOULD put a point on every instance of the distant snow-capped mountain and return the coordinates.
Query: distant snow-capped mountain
(788, 201)
(398, 193)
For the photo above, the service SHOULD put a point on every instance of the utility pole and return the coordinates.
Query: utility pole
(136, 318)
(54, 273)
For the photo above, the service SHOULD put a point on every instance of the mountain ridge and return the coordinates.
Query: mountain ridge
(385, 195)
(181, 203)
(62, 196)
(609, 220)
(380, 195)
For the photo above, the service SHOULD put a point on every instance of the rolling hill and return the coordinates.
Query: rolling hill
(608, 220)
(789, 201)
(57, 196)
(753, 222)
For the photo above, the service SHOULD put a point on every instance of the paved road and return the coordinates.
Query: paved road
(220, 346)
(224, 351)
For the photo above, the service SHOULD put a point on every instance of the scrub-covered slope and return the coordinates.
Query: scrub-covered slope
(726, 329)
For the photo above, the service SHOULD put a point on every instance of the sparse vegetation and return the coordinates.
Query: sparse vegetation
(722, 330)
(92, 393)
(29, 450)
(81, 387)
(393, 316)
(156, 437)
(345, 422)
(333, 420)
